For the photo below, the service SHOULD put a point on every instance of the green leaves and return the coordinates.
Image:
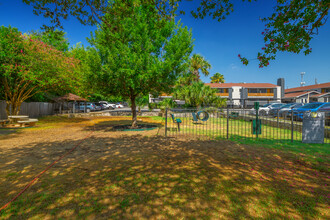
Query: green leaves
(29, 66)
(217, 78)
(141, 52)
(291, 28)
(198, 95)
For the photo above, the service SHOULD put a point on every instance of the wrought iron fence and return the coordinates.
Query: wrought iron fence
(231, 123)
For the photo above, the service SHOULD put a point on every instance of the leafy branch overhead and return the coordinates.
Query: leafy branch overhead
(290, 28)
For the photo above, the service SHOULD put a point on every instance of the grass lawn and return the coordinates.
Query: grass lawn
(141, 175)
(216, 127)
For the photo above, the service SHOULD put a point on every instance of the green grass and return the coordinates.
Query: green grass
(217, 127)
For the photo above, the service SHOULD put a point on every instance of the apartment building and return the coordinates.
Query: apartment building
(306, 94)
(245, 94)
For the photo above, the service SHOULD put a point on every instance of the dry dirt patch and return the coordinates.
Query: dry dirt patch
(138, 175)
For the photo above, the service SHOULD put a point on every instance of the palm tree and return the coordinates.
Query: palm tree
(217, 78)
(199, 95)
(198, 63)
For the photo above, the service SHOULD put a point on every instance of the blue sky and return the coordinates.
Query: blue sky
(218, 42)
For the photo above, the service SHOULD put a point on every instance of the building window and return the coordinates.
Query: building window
(259, 91)
(253, 90)
(221, 90)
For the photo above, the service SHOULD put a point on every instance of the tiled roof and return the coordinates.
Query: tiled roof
(244, 85)
(321, 94)
(70, 97)
(304, 88)
(297, 94)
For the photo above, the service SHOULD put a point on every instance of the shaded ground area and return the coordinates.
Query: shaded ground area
(138, 175)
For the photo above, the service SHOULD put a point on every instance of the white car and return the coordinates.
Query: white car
(119, 106)
(113, 105)
(263, 110)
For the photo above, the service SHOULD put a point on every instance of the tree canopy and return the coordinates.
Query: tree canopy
(28, 67)
(55, 38)
(140, 53)
(217, 78)
(198, 95)
(290, 28)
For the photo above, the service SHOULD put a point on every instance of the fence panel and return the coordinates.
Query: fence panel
(231, 123)
(32, 109)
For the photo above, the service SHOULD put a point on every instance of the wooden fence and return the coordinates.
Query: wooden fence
(32, 109)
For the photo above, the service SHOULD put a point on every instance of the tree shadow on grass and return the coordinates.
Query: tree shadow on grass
(110, 126)
(153, 177)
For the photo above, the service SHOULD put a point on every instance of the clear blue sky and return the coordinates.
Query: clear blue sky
(218, 42)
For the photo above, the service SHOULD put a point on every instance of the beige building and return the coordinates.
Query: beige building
(306, 94)
(245, 94)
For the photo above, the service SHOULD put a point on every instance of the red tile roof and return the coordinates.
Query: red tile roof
(245, 85)
(304, 88)
(321, 94)
(297, 94)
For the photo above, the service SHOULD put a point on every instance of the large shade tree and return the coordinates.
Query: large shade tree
(141, 52)
(291, 26)
(28, 67)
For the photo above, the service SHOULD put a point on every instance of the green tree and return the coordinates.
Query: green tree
(141, 52)
(55, 38)
(290, 28)
(198, 95)
(199, 64)
(90, 63)
(192, 70)
(217, 78)
(28, 67)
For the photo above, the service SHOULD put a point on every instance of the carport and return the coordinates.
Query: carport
(68, 98)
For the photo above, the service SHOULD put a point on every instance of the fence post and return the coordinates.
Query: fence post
(227, 122)
(292, 126)
(165, 122)
(257, 119)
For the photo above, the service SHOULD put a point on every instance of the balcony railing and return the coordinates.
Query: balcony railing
(222, 94)
(261, 94)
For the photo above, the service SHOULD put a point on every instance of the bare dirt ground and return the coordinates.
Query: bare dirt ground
(138, 175)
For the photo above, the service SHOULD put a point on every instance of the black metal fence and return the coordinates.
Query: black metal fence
(231, 123)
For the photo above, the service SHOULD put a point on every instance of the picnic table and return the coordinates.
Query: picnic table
(22, 120)
(15, 118)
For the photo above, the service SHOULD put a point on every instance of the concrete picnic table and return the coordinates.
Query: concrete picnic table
(15, 118)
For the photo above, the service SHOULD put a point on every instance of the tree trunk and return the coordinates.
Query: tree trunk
(134, 115)
(13, 107)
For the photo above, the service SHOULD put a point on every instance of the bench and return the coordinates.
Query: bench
(233, 115)
(27, 122)
(3, 122)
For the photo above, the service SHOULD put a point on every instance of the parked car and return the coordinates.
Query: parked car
(97, 106)
(263, 110)
(313, 107)
(118, 105)
(275, 108)
(326, 110)
(89, 107)
(107, 105)
(102, 106)
(283, 111)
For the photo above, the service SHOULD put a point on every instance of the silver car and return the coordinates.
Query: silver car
(286, 108)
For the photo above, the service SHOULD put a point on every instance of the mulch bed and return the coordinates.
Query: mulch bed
(140, 127)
